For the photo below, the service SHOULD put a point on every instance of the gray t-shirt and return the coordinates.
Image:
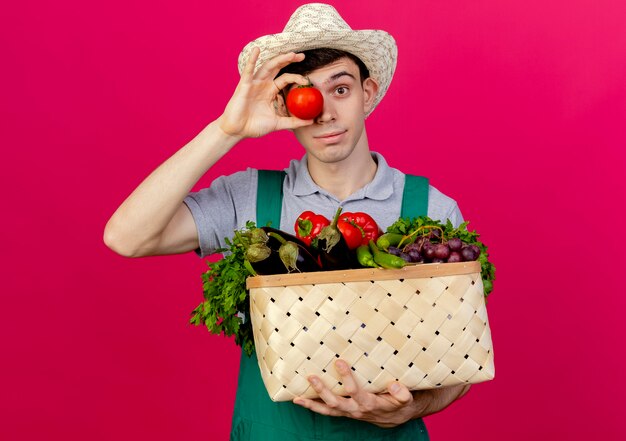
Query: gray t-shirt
(230, 202)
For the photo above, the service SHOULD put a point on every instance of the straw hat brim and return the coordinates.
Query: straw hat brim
(377, 49)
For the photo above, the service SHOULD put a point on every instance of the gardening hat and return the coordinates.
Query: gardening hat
(318, 25)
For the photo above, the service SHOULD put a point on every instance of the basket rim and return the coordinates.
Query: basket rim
(412, 271)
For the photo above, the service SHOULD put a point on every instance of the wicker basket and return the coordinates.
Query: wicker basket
(423, 325)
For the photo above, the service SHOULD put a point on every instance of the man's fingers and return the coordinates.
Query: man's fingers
(317, 406)
(248, 69)
(270, 68)
(349, 384)
(291, 122)
(286, 79)
(385, 410)
(333, 401)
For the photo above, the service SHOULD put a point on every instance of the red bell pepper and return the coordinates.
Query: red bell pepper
(308, 226)
(351, 233)
(358, 228)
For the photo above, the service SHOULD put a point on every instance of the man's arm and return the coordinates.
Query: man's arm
(153, 219)
(385, 409)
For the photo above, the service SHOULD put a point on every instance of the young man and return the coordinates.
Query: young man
(353, 71)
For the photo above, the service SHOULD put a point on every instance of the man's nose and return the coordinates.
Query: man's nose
(328, 112)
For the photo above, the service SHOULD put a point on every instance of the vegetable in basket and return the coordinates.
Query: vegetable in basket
(424, 240)
(225, 293)
(335, 254)
(272, 251)
(293, 253)
(386, 260)
(358, 228)
(365, 257)
(260, 256)
(309, 225)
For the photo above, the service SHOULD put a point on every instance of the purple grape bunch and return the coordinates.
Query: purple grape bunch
(429, 248)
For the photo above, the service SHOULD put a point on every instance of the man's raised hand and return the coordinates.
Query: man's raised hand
(257, 107)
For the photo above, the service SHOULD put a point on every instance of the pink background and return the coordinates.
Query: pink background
(515, 109)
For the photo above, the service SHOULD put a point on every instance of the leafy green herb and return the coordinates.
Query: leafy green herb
(225, 293)
(407, 227)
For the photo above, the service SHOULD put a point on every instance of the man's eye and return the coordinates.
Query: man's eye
(341, 90)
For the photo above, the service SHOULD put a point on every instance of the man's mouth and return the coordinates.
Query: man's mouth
(330, 137)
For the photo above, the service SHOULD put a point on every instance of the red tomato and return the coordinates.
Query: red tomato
(305, 102)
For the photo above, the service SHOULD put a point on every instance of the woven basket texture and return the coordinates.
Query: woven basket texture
(425, 326)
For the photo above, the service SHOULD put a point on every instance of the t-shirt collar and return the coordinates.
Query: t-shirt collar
(380, 188)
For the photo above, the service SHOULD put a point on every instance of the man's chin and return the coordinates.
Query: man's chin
(331, 154)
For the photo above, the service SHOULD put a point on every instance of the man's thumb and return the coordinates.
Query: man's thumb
(400, 392)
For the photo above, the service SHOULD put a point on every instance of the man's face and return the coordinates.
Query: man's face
(339, 130)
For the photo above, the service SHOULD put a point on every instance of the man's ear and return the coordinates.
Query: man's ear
(370, 90)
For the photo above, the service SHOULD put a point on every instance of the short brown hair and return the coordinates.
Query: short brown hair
(316, 58)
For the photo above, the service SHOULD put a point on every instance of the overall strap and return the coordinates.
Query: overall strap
(415, 196)
(269, 197)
